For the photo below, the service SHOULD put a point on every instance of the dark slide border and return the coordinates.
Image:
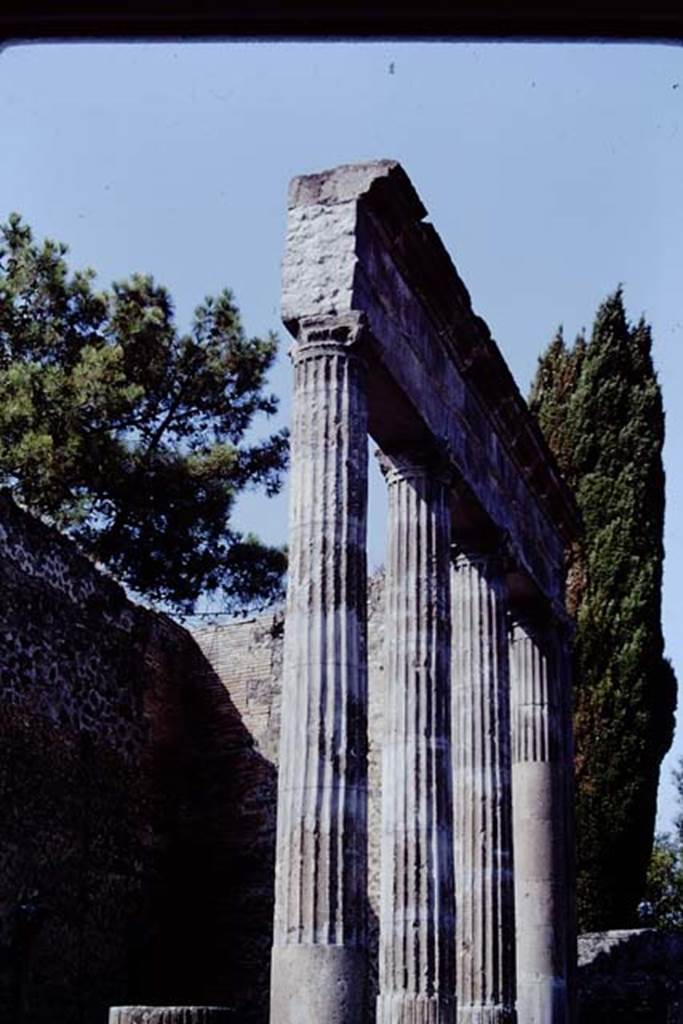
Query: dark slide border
(38, 20)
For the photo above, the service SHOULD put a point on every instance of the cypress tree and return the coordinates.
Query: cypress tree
(600, 407)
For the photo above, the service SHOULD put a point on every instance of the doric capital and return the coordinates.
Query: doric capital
(414, 464)
(534, 619)
(543, 617)
(329, 335)
(491, 561)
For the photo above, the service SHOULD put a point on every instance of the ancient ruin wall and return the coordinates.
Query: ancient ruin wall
(136, 857)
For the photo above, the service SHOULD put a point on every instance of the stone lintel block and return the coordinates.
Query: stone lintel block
(348, 182)
(171, 1015)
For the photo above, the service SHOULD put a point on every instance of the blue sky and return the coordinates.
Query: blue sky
(552, 172)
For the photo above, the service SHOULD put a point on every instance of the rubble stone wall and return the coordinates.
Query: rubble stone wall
(136, 858)
(631, 977)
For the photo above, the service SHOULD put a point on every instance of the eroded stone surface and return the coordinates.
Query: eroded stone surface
(171, 1015)
(321, 866)
(485, 910)
(416, 953)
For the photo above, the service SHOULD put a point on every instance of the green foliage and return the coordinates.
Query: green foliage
(662, 905)
(599, 406)
(129, 435)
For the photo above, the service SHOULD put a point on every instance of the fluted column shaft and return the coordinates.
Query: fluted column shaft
(485, 912)
(416, 969)
(542, 822)
(318, 963)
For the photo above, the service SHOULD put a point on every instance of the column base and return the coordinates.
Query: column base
(315, 984)
(399, 1008)
(171, 1015)
(487, 1015)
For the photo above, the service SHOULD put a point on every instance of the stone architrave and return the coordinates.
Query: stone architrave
(416, 951)
(539, 777)
(318, 957)
(485, 908)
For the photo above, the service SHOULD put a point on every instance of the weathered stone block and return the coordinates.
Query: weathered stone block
(171, 1015)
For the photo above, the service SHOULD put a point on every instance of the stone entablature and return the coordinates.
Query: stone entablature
(358, 248)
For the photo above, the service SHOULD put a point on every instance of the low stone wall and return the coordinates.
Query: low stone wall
(631, 977)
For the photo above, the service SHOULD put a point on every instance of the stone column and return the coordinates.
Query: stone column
(485, 910)
(416, 968)
(564, 633)
(539, 779)
(318, 959)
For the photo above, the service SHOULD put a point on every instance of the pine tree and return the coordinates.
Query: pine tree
(599, 405)
(130, 435)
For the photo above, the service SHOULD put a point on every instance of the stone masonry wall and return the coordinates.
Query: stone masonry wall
(631, 977)
(134, 862)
